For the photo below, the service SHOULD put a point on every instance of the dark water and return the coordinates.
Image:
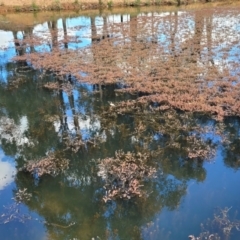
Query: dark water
(34, 121)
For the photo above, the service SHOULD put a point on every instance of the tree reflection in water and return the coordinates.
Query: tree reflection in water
(75, 119)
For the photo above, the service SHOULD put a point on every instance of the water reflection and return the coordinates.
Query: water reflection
(36, 117)
(7, 171)
(12, 133)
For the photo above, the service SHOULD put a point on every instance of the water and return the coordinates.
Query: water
(35, 121)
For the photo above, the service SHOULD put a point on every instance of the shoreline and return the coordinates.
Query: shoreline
(78, 5)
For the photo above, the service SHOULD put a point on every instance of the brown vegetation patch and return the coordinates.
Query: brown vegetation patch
(222, 223)
(181, 134)
(124, 174)
(22, 195)
(183, 71)
(64, 86)
(74, 143)
(51, 164)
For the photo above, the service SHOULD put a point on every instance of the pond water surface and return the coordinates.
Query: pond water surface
(187, 196)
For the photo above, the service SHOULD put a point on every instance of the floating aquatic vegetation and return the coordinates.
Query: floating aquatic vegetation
(187, 71)
(182, 133)
(199, 150)
(52, 164)
(50, 118)
(205, 236)
(74, 143)
(123, 175)
(222, 220)
(222, 223)
(64, 86)
(52, 86)
(22, 195)
(14, 83)
(12, 213)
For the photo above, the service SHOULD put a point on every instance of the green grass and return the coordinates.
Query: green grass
(18, 9)
(137, 2)
(57, 5)
(110, 4)
(35, 7)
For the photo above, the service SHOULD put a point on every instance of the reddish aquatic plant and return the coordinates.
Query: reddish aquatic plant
(52, 164)
(190, 70)
(123, 175)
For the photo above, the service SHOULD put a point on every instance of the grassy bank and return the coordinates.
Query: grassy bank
(76, 5)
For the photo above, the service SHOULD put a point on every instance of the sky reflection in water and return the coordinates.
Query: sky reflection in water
(179, 201)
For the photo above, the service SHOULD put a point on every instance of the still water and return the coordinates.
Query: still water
(188, 196)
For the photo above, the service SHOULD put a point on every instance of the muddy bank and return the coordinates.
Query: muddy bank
(28, 16)
(78, 5)
(10, 21)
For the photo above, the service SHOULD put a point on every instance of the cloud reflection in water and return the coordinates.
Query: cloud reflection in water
(7, 172)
